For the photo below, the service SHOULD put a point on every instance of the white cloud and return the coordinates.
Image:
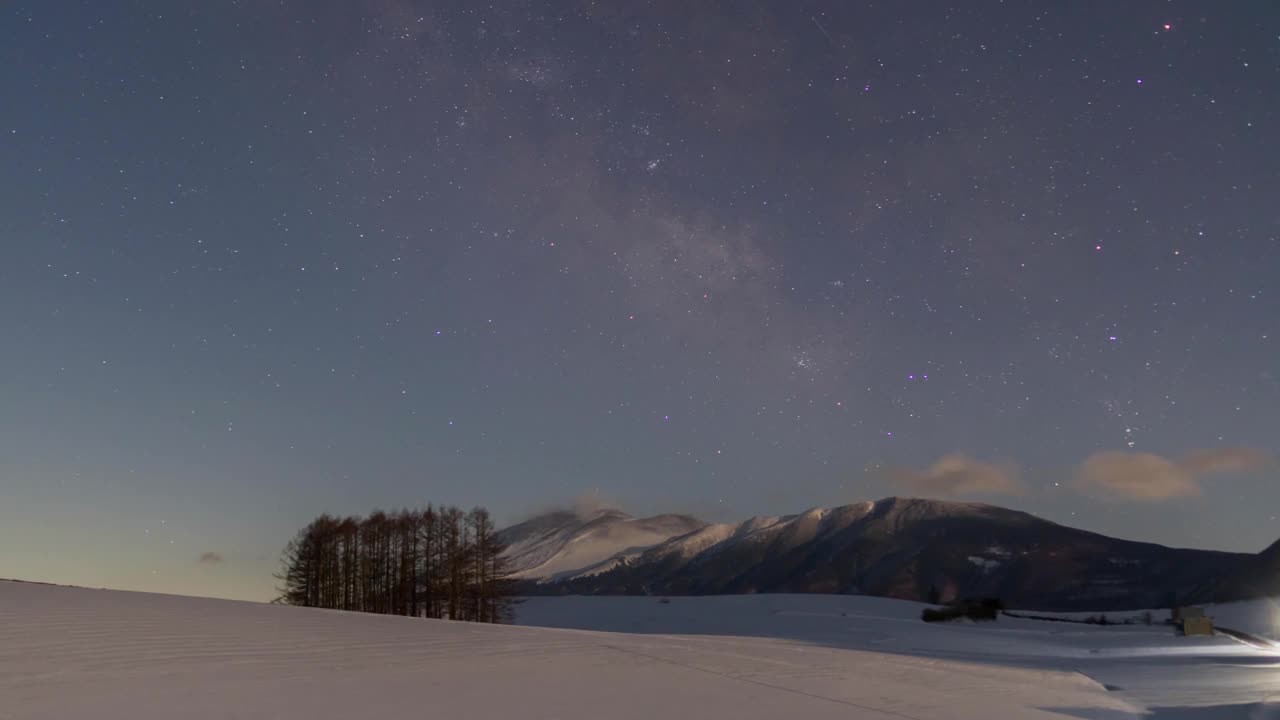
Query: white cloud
(1146, 477)
(957, 474)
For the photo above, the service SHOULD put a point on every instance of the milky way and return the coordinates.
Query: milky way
(264, 260)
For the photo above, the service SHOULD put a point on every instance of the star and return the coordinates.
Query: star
(560, 172)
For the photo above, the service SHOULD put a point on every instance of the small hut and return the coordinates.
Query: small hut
(1192, 621)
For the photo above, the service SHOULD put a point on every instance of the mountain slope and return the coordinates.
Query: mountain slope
(910, 548)
(564, 544)
(1257, 577)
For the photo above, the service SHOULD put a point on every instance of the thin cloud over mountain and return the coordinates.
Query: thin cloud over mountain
(957, 474)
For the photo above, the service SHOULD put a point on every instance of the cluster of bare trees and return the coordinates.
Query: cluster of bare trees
(435, 563)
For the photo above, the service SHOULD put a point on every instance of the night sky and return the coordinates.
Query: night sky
(261, 260)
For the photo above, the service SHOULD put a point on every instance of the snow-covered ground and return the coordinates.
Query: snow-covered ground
(1258, 617)
(78, 653)
(1148, 668)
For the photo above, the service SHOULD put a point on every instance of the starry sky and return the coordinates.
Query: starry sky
(261, 260)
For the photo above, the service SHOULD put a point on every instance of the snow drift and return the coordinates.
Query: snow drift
(71, 653)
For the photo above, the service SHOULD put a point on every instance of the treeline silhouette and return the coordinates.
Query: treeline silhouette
(433, 563)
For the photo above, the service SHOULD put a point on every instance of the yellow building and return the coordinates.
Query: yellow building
(1192, 621)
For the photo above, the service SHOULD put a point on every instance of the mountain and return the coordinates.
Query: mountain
(1258, 576)
(909, 548)
(565, 544)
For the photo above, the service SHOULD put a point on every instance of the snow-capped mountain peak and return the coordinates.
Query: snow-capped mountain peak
(563, 544)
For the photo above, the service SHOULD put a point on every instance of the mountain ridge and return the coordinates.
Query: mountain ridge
(908, 548)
